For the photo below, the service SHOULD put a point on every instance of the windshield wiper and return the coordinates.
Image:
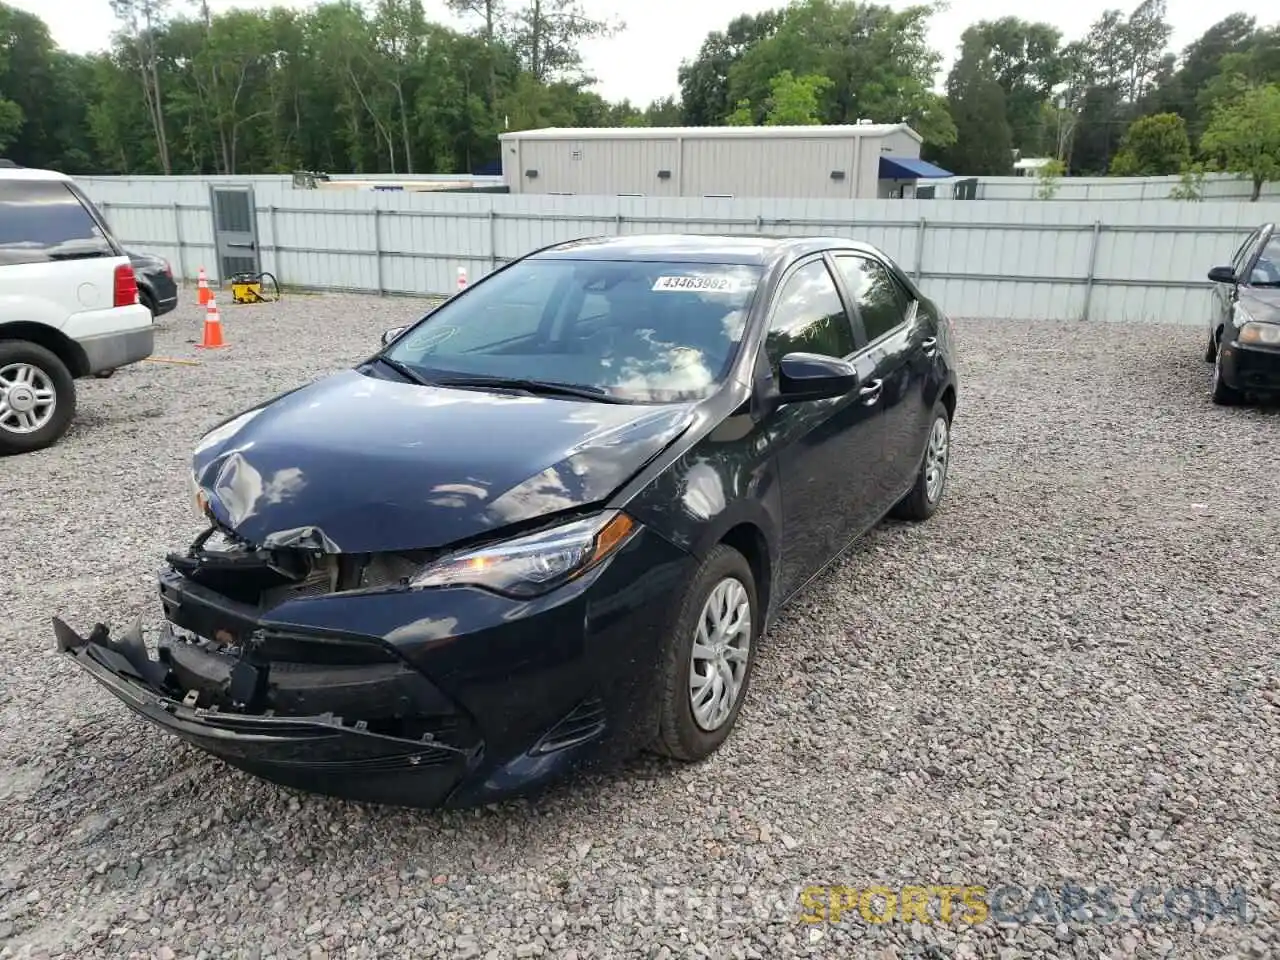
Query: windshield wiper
(405, 371)
(544, 387)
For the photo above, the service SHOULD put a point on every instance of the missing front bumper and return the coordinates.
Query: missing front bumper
(323, 753)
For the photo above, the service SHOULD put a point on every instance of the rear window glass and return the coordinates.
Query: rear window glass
(42, 220)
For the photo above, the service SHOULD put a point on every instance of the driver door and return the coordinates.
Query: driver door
(827, 451)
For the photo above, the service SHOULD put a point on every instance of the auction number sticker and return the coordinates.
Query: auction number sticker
(697, 284)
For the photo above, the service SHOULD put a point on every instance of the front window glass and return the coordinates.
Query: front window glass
(1266, 269)
(642, 331)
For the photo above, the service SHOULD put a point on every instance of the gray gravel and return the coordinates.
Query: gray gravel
(1069, 675)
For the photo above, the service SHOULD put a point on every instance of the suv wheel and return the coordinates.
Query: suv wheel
(37, 397)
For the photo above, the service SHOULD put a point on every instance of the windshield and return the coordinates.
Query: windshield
(642, 331)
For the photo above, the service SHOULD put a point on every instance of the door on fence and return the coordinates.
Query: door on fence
(235, 230)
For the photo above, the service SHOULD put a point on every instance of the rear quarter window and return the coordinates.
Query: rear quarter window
(43, 221)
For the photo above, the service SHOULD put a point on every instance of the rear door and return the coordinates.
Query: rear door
(235, 230)
(899, 345)
(57, 258)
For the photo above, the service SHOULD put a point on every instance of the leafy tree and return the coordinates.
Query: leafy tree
(1200, 63)
(1026, 59)
(878, 59)
(141, 22)
(1153, 146)
(1047, 179)
(1114, 67)
(793, 101)
(546, 34)
(704, 82)
(983, 145)
(1191, 184)
(1244, 136)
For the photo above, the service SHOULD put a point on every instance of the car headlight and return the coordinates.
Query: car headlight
(1267, 334)
(199, 500)
(534, 564)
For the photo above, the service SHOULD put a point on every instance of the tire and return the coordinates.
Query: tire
(918, 505)
(1211, 349)
(680, 735)
(1223, 394)
(48, 369)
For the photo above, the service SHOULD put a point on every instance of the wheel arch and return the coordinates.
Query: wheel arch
(55, 341)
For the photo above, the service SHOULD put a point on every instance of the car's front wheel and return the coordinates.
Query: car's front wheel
(709, 657)
(931, 479)
(37, 397)
(1224, 394)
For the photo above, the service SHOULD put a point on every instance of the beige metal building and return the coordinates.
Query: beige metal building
(849, 161)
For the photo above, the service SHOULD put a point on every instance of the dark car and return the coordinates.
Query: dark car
(157, 290)
(1244, 329)
(548, 524)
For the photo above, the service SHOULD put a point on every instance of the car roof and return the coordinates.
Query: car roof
(751, 249)
(29, 173)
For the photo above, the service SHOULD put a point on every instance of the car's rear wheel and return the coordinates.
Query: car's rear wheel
(931, 479)
(37, 397)
(709, 657)
(1223, 394)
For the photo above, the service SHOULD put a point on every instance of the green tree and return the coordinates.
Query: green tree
(704, 81)
(983, 145)
(1244, 136)
(794, 101)
(1026, 59)
(878, 60)
(1048, 179)
(1200, 63)
(1153, 146)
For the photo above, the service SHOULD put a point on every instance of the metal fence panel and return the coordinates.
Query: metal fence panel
(1084, 260)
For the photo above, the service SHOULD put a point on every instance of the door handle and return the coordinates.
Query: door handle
(930, 346)
(871, 392)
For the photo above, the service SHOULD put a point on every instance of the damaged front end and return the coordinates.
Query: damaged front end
(331, 712)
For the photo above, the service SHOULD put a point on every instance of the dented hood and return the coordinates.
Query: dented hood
(357, 464)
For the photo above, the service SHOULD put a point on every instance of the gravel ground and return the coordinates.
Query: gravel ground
(1070, 675)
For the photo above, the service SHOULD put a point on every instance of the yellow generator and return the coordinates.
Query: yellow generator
(254, 288)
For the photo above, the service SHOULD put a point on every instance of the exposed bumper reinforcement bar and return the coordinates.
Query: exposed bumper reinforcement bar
(323, 753)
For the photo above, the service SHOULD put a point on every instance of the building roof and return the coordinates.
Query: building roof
(747, 249)
(833, 131)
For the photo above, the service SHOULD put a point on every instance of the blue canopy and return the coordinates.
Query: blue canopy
(909, 168)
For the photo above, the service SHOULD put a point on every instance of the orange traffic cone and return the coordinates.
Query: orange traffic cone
(203, 293)
(212, 328)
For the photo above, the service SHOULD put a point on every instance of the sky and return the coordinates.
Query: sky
(640, 63)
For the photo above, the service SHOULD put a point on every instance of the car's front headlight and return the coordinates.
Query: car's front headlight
(199, 500)
(1267, 334)
(535, 564)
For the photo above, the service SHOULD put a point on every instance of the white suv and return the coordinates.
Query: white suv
(68, 305)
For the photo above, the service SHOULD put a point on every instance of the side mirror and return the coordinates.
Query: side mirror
(1223, 275)
(391, 334)
(811, 376)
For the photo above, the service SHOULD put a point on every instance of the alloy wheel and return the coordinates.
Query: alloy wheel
(27, 398)
(721, 648)
(935, 459)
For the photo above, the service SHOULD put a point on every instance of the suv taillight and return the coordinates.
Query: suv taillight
(126, 286)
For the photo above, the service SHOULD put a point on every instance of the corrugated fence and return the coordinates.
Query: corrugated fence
(1059, 260)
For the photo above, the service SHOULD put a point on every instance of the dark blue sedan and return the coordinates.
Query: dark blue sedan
(548, 524)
